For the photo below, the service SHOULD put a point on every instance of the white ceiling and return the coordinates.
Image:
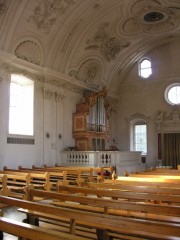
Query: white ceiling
(90, 43)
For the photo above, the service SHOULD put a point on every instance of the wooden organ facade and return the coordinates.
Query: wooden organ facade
(91, 122)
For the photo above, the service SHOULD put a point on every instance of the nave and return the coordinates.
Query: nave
(142, 206)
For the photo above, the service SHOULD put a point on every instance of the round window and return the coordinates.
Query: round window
(172, 94)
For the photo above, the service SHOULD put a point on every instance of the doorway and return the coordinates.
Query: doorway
(171, 150)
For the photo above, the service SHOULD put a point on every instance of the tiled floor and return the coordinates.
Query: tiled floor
(11, 212)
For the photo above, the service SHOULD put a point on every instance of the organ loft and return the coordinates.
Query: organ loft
(91, 122)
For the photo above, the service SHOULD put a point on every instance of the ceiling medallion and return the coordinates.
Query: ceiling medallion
(153, 16)
(156, 20)
(150, 20)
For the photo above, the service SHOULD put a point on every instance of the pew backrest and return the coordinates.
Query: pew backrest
(125, 225)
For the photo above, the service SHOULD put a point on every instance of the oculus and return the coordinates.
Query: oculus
(172, 94)
(153, 16)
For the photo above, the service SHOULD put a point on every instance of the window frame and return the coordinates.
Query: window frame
(25, 136)
(140, 67)
(168, 88)
(134, 123)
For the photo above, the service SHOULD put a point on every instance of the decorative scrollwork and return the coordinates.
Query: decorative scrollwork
(46, 13)
(108, 44)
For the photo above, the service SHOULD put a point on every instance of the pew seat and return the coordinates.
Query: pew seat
(28, 231)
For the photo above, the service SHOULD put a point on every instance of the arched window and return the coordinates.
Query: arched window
(172, 94)
(145, 69)
(138, 135)
(21, 106)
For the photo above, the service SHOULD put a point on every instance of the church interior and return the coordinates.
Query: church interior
(90, 106)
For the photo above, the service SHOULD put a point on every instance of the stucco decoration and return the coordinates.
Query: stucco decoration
(139, 4)
(96, 4)
(164, 116)
(168, 121)
(9, 69)
(29, 51)
(4, 74)
(90, 72)
(139, 116)
(3, 6)
(110, 107)
(59, 97)
(49, 94)
(150, 17)
(47, 12)
(106, 42)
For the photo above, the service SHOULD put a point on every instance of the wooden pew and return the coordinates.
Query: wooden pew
(95, 172)
(167, 171)
(48, 180)
(39, 180)
(105, 204)
(149, 179)
(18, 182)
(83, 174)
(5, 168)
(3, 185)
(65, 175)
(126, 208)
(157, 176)
(27, 231)
(136, 188)
(112, 224)
(141, 182)
(17, 185)
(76, 177)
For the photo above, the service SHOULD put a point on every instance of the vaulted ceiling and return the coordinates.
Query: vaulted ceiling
(87, 43)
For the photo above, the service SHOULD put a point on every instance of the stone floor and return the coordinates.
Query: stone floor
(11, 212)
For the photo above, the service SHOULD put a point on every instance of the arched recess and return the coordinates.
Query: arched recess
(30, 50)
(89, 71)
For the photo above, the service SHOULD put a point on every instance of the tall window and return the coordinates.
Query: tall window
(21, 106)
(138, 135)
(145, 69)
(140, 138)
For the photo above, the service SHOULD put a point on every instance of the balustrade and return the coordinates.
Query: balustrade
(124, 161)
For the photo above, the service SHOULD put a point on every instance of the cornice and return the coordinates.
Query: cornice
(50, 76)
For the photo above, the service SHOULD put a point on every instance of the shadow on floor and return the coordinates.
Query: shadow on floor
(12, 213)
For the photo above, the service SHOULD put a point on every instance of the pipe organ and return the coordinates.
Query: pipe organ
(91, 122)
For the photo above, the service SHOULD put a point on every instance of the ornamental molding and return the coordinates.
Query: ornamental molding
(110, 105)
(59, 97)
(4, 73)
(46, 13)
(3, 6)
(106, 42)
(150, 17)
(168, 121)
(43, 76)
(29, 51)
(139, 116)
(13, 70)
(89, 72)
(49, 94)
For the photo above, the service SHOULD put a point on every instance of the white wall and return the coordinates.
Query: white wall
(53, 115)
(146, 96)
